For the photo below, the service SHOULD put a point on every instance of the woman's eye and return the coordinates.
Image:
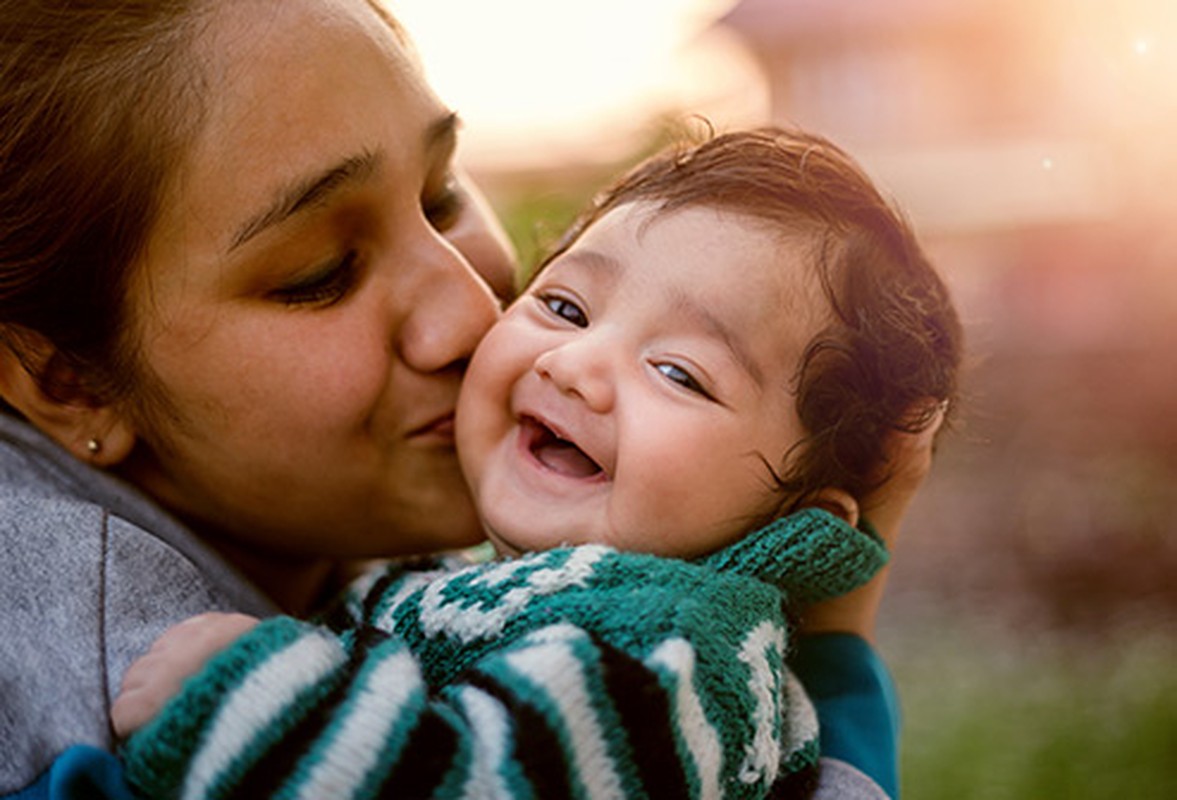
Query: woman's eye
(676, 374)
(565, 309)
(443, 208)
(323, 287)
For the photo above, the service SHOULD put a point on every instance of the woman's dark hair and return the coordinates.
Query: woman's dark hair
(889, 356)
(96, 109)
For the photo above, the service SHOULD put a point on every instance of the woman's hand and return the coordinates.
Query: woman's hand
(909, 458)
(176, 655)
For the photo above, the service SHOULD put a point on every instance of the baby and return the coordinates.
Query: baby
(667, 437)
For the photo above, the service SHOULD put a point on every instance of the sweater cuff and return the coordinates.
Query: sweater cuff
(83, 772)
(857, 705)
(278, 659)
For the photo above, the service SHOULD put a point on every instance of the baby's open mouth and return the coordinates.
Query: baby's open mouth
(558, 455)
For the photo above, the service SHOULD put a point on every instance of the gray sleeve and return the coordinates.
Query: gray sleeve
(841, 781)
(83, 594)
(52, 682)
(147, 587)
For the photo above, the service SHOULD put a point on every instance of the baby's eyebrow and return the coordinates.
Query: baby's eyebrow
(609, 269)
(684, 304)
(602, 269)
(593, 261)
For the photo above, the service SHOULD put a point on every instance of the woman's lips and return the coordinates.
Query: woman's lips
(440, 428)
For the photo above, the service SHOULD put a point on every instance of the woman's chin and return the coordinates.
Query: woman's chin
(452, 527)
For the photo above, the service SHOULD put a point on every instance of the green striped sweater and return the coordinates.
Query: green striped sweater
(578, 672)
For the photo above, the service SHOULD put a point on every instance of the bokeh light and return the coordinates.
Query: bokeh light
(545, 80)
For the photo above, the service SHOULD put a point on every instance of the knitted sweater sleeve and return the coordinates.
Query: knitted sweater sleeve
(291, 710)
(525, 704)
(581, 671)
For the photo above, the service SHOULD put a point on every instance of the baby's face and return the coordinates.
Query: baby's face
(635, 393)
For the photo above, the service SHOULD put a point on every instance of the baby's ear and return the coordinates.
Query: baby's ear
(95, 432)
(838, 502)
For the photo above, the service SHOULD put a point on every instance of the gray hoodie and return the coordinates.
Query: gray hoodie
(92, 573)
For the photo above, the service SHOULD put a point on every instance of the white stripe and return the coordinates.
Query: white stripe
(558, 632)
(408, 585)
(265, 693)
(470, 620)
(801, 726)
(358, 589)
(575, 571)
(555, 669)
(373, 711)
(496, 572)
(762, 758)
(702, 740)
(491, 731)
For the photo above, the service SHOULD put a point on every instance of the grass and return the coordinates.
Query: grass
(986, 717)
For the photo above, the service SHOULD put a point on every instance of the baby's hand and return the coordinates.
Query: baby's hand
(175, 656)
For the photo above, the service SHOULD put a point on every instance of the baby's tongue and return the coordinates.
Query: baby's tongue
(566, 458)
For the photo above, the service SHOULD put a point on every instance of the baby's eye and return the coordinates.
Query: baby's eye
(565, 309)
(676, 374)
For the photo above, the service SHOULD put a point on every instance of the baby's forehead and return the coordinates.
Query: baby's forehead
(723, 264)
(776, 261)
(756, 281)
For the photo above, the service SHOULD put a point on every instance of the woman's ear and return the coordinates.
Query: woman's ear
(97, 433)
(838, 502)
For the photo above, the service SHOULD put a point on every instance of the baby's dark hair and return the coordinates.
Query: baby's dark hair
(888, 356)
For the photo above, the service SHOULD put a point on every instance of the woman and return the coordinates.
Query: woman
(236, 299)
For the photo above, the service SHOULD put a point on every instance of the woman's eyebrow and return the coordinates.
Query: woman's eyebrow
(308, 192)
(442, 134)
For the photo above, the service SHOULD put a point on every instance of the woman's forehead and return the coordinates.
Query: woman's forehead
(294, 89)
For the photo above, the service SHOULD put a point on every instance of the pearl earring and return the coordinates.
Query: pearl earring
(93, 446)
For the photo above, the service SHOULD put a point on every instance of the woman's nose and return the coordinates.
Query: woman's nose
(580, 368)
(480, 238)
(450, 309)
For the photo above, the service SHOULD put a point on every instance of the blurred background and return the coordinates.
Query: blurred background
(1031, 620)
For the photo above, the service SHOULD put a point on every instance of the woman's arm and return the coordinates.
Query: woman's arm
(856, 704)
(851, 688)
(909, 460)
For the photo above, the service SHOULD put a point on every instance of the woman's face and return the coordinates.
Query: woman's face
(302, 315)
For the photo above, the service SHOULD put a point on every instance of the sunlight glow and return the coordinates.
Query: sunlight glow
(537, 79)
